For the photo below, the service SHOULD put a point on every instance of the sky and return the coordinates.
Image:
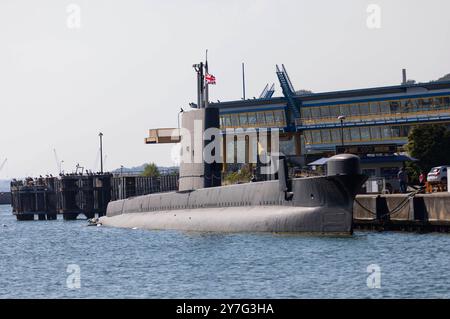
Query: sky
(72, 69)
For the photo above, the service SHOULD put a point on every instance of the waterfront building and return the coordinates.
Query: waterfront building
(373, 121)
(314, 125)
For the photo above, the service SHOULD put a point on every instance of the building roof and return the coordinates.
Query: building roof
(388, 159)
(334, 94)
(374, 91)
(248, 102)
(375, 159)
(319, 162)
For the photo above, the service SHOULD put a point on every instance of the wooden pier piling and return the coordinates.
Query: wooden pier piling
(73, 195)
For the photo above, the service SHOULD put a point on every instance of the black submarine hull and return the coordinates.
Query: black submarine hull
(318, 205)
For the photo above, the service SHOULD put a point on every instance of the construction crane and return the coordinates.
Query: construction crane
(58, 162)
(3, 164)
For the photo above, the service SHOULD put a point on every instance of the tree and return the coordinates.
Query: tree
(244, 175)
(444, 78)
(151, 170)
(430, 145)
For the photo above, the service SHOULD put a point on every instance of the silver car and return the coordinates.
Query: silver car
(438, 174)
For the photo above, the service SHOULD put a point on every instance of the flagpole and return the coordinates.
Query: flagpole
(243, 81)
(206, 82)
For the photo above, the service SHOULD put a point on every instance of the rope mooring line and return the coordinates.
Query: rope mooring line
(397, 209)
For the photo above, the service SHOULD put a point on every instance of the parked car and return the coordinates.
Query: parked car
(438, 174)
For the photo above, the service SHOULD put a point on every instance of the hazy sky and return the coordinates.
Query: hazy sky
(128, 67)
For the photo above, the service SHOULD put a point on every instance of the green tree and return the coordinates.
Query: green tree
(244, 175)
(430, 144)
(151, 170)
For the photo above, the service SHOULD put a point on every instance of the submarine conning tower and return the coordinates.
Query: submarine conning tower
(195, 173)
(344, 164)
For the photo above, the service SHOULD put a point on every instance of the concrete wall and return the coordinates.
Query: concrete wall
(437, 206)
(434, 208)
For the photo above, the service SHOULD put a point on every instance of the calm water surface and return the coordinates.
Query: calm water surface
(122, 263)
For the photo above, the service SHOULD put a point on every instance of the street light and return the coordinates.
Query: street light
(342, 119)
(101, 152)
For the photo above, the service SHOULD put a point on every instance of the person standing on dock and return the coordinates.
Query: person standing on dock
(403, 180)
(422, 178)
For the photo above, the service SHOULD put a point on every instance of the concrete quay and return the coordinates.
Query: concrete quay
(403, 212)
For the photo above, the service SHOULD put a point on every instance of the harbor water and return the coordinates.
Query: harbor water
(40, 259)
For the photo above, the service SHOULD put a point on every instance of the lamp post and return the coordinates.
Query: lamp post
(179, 113)
(342, 118)
(100, 135)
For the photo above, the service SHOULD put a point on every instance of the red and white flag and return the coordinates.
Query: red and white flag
(210, 79)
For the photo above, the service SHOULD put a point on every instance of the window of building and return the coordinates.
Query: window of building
(374, 108)
(234, 120)
(375, 132)
(418, 106)
(252, 118)
(315, 113)
(261, 118)
(326, 136)
(306, 113)
(345, 110)
(385, 107)
(355, 136)
(316, 138)
(279, 117)
(335, 111)
(308, 137)
(269, 117)
(438, 102)
(336, 135)
(243, 119)
(227, 120)
(394, 106)
(426, 104)
(386, 132)
(325, 111)
(407, 106)
(354, 109)
(404, 130)
(395, 131)
(446, 101)
(364, 108)
(346, 134)
(365, 133)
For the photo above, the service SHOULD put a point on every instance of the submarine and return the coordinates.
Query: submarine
(321, 205)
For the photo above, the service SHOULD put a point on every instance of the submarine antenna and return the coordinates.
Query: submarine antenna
(243, 81)
(200, 83)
